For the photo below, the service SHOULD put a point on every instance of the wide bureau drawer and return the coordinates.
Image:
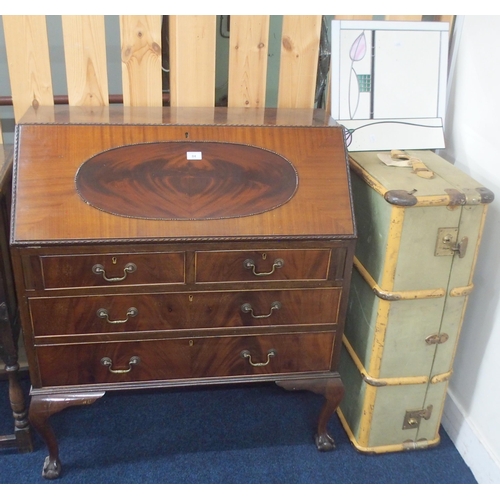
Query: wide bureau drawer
(73, 271)
(137, 361)
(179, 311)
(275, 265)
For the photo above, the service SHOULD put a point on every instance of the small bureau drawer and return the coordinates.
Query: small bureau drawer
(274, 265)
(141, 361)
(72, 271)
(180, 311)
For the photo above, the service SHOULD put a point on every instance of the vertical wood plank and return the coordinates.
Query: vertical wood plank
(28, 61)
(353, 18)
(403, 18)
(447, 19)
(192, 60)
(299, 61)
(248, 48)
(141, 60)
(85, 58)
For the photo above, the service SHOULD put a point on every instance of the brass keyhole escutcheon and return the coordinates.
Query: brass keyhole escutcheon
(114, 260)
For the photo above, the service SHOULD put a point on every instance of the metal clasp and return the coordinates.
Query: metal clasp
(413, 417)
(437, 338)
(447, 243)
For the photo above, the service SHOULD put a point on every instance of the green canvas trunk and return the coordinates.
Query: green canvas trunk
(418, 240)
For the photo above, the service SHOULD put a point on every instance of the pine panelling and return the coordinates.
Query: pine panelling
(141, 60)
(85, 57)
(192, 60)
(299, 61)
(28, 60)
(447, 19)
(353, 18)
(248, 49)
(403, 18)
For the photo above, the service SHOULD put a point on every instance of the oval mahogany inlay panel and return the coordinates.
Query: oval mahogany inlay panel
(161, 180)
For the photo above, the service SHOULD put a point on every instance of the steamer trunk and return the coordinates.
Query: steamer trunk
(413, 269)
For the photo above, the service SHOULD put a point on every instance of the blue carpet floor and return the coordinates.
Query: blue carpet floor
(259, 434)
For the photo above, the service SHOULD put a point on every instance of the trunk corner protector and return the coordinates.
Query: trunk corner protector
(421, 444)
(467, 196)
(400, 198)
(487, 196)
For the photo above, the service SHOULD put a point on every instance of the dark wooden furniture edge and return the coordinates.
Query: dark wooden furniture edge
(9, 320)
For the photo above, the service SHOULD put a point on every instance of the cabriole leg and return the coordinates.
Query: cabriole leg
(333, 390)
(41, 408)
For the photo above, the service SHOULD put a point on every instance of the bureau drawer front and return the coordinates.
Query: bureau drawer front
(180, 311)
(184, 358)
(264, 265)
(72, 271)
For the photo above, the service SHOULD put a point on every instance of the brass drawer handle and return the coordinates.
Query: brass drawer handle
(247, 308)
(270, 354)
(134, 360)
(250, 264)
(129, 268)
(103, 314)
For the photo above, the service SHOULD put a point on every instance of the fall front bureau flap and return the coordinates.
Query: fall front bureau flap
(174, 175)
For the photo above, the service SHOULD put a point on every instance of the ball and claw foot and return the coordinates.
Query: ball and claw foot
(51, 469)
(324, 442)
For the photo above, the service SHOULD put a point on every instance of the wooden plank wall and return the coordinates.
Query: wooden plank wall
(192, 44)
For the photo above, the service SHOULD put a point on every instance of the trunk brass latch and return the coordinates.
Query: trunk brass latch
(447, 242)
(413, 417)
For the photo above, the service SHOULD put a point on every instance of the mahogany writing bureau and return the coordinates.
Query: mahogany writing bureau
(172, 247)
